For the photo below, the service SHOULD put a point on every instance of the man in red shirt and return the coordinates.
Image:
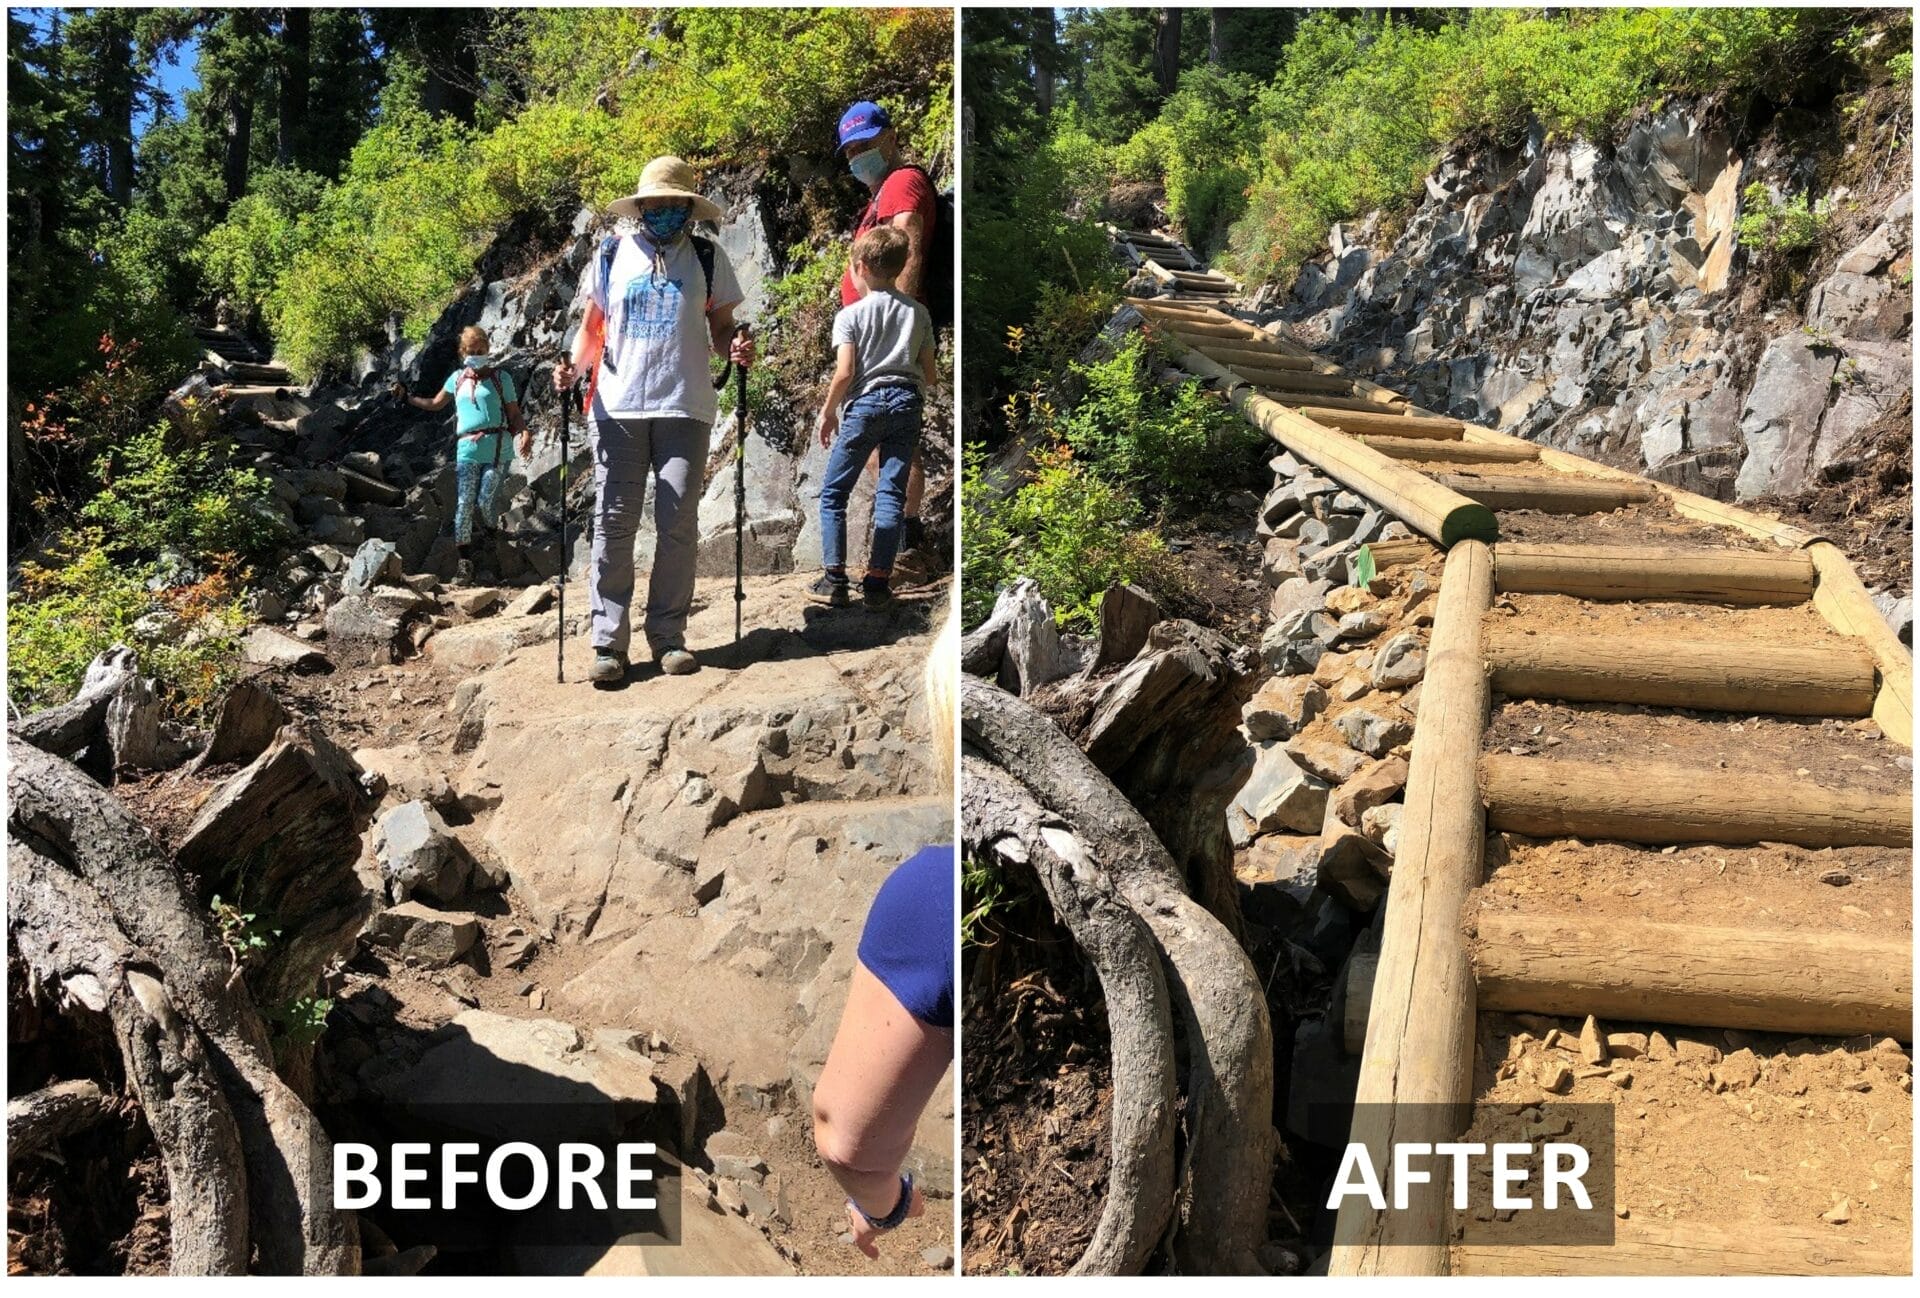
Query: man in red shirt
(903, 196)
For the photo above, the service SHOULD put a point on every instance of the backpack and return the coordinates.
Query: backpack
(473, 375)
(936, 279)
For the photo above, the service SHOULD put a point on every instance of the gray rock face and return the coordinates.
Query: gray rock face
(1576, 293)
(418, 855)
(1279, 794)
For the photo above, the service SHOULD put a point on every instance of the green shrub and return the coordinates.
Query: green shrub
(245, 255)
(1070, 531)
(190, 501)
(1173, 447)
(85, 601)
(1785, 228)
(1144, 157)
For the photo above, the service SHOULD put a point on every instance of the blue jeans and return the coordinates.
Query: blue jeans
(888, 418)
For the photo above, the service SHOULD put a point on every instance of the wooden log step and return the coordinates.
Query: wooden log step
(1301, 381)
(247, 372)
(1632, 970)
(1618, 572)
(1557, 495)
(1204, 329)
(1658, 803)
(1433, 448)
(1668, 1248)
(1840, 597)
(1260, 358)
(1301, 402)
(1374, 420)
(1717, 675)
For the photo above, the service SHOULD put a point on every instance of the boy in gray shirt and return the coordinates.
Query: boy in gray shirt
(884, 360)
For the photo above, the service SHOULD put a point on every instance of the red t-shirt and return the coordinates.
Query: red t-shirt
(906, 189)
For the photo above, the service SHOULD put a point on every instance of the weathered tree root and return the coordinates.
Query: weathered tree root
(1000, 818)
(49, 1115)
(101, 917)
(1212, 983)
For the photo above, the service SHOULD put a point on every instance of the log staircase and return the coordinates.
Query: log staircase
(249, 370)
(1173, 264)
(1451, 481)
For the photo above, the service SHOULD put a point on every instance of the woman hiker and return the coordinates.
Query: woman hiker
(486, 407)
(662, 301)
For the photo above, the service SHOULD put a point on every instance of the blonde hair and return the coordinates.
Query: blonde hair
(474, 341)
(941, 681)
(882, 250)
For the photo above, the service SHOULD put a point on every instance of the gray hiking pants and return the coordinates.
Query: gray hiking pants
(627, 455)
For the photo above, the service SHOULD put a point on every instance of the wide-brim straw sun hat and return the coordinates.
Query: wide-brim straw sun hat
(668, 177)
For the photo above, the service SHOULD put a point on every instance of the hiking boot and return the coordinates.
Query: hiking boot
(678, 662)
(830, 590)
(608, 667)
(463, 573)
(876, 593)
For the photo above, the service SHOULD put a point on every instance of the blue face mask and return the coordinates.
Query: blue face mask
(664, 223)
(475, 362)
(869, 168)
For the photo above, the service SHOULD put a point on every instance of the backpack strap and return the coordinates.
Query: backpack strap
(703, 251)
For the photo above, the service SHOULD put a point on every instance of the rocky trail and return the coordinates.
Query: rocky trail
(640, 902)
(1683, 732)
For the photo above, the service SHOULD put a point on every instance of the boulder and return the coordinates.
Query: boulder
(418, 855)
(1277, 876)
(1331, 762)
(1283, 707)
(1351, 867)
(1781, 418)
(1401, 662)
(266, 647)
(1374, 733)
(1375, 784)
(1281, 794)
(422, 935)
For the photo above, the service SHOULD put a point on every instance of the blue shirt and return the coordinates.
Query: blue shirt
(479, 403)
(908, 941)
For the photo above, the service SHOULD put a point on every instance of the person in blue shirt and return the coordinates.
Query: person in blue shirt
(895, 1039)
(486, 408)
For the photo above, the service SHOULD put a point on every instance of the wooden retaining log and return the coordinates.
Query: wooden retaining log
(1566, 494)
(1630, 970)
(1295, 380)
(1438, 448)
(1371, 420)
(1642, 802)
(1843, 601)
(1428, 508)
(1420, 1019)
(1619, 572)
(1717, 675)
(1670, 1248)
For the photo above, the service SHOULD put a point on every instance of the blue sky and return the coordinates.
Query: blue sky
(175, 75)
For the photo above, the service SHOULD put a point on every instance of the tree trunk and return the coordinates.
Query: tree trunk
(1044, 55)
(1214, 987)
(296, 40)
(1166, 50)
(99, 913)
(1216, 38)
(239, 145)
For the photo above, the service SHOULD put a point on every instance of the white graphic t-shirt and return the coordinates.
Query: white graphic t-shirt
(658, 343)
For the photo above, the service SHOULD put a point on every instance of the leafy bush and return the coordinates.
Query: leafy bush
(1792, 226)
(1070, 531)
(189, 502)
(1364, 105)
(1144, 157)
(245, 255)
(85, 601)
(1171, 446)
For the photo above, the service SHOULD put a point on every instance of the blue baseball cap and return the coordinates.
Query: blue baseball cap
(862, 122)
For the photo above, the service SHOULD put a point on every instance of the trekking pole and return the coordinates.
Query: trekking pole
(740, 493)
(568, 396)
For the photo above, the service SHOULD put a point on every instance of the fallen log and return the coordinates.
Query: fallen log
(1214, 987)
(1781, 980)
(1618, 572)
(1417, 1068)
(1714, 675)
(1660, 804)
(1000, 819)
(1427, 449)
(1660, 1248)
(67, 728)
(1562, 495)
(43, 1118)
(1427, 507)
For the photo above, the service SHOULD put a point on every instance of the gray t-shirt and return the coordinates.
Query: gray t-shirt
(887, 330)
(658, 344)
